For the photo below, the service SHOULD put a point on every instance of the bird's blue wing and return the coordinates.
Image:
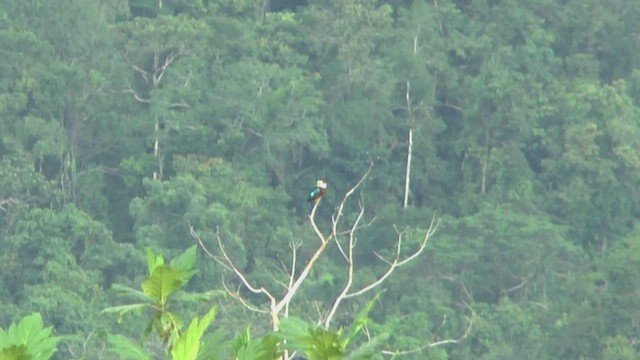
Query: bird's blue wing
(313, 194)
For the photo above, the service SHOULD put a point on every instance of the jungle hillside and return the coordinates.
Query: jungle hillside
(482, 162)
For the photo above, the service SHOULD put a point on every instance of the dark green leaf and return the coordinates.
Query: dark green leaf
(127, 349)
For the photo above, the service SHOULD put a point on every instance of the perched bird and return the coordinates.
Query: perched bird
(317, 192)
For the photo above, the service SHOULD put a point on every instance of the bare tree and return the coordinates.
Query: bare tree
(345, 239)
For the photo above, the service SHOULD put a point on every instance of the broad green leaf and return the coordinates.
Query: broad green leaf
(264, 349)
(153, 260)
(322, 344)
(123, 310)
(184, 297)
(315, 342)
(30, 333)
(127, 349)
(4, 339)
(185, 263)
(368, 349)
(242, 340)
(361, 319)
(188, 344)
(132, 294)
(212, 347)
(16, 352)
(163, 281)
(293, 328)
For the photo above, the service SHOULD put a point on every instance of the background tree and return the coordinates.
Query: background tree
(525, 143)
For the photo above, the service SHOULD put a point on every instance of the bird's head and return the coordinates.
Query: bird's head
(321, 184)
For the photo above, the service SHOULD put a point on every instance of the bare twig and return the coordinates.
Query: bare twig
(239, 274)
(303, 275)
(350, 261)
(168, 60)
(467, 330)
(141, 71)
(312, 220)
(396, 262)
(335, 218)
(523, 281)
(230, 265)
(292, 273)
(137, 97)
(7, 201)
(195, 235)
(236, 295)
(179, 104)
(434, 343)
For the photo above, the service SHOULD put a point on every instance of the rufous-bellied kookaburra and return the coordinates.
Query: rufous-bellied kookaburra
(317, 192)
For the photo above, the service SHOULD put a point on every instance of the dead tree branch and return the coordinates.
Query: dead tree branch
(349, 257)
(393, 264)
(397, 262)
(345, 238)
(228, 263)
(7, 201)
(236, 295)
(135, 95)
(294, 280)
(434, 343)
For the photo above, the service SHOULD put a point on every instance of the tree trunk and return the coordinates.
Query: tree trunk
(156, 149)
(407, 176)
(485, 163)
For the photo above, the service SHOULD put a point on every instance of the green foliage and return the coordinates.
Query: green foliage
(123, 123)
(65, 250)
(314, 342)
(189, 345)
(162, 283)
(127, 348)
(360, 322)
(317, 343)
(185, 264)
(266, 348)
(28, 340)
(619, 348)
(15, 353)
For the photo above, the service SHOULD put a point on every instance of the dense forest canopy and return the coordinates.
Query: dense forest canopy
(125, 123)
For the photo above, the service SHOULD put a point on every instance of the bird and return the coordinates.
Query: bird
(317, 192)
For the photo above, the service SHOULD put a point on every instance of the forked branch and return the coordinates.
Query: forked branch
(7, 201)
(433, 343)
(392, 264)
(229, 264)
(324, 241)
(465, 304)
(397, 262)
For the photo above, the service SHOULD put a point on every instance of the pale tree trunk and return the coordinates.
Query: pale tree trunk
(156, 150)
(485, 163)
(408, 173)
(152, 78)
(407, 96)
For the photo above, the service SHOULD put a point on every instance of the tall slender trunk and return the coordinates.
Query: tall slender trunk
(156, 150)
(485, 162)
(408, 173)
